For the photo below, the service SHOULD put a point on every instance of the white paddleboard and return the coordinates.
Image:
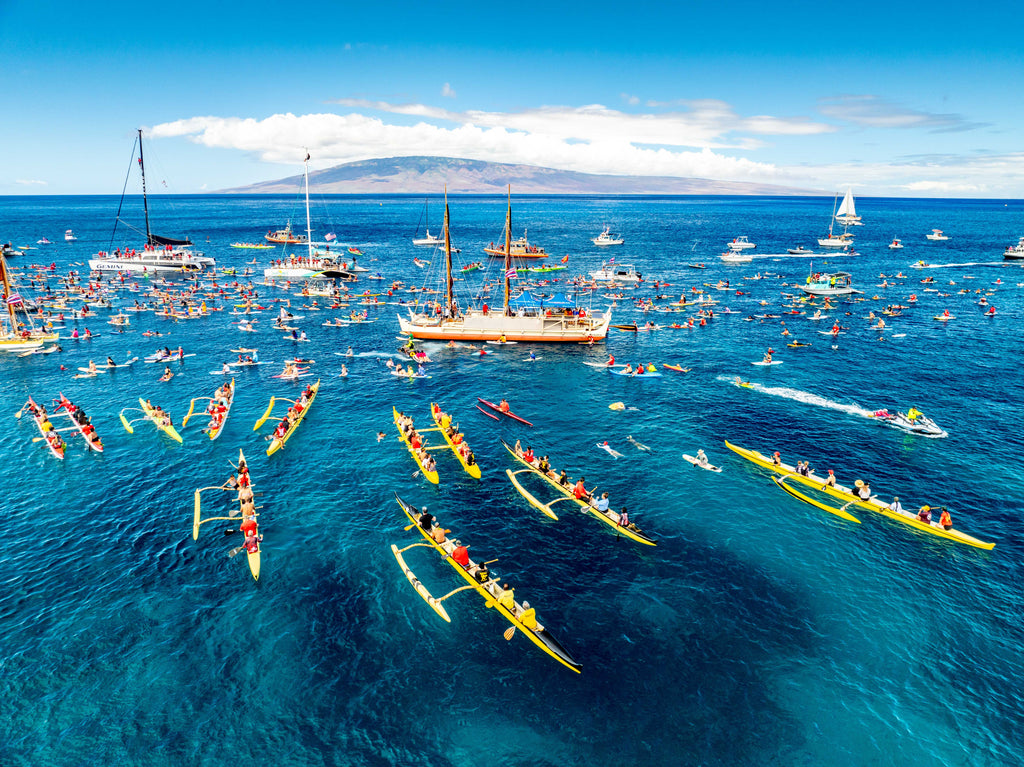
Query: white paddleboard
(695, 462)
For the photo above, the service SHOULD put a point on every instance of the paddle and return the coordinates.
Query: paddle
(235, 551)
(18, 414)
(510, 632)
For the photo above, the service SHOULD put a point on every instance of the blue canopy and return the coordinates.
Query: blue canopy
(557, 301)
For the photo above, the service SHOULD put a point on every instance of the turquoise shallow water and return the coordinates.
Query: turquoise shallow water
(758, 631)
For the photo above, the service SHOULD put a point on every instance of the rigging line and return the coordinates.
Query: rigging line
(120, 204)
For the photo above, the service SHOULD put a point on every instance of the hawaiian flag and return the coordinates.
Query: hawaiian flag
(611, 260)
(510, 274)
(13, 300)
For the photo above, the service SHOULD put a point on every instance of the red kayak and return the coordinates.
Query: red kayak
(510, 414)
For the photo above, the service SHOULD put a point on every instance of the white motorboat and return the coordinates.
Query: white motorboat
(607, 238)
(799, 251)
(741, 243)
(1015, 252)
(829, 284)
(936, 235)
(617, 273)
(736, 257)
(895, 244)
(69, 236)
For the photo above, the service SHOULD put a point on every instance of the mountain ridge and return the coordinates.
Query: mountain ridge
(427, 174)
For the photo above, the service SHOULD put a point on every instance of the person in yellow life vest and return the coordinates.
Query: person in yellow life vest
(913, 414)
(528, 617)
(651, 368)
(507, 598)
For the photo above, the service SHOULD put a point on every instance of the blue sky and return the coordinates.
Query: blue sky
(893, 100)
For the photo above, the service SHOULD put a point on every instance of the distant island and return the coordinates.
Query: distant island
(428, 175)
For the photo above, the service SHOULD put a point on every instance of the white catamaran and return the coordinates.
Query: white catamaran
(158, 254)
(319, 260)
(523, 318)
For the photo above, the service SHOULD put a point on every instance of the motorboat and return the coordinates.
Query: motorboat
(741, 243)
(617, 273)
(920, 425)
(736, 257)
(829, 284)
(799, 251)
(1014, 252)
(286, 236)
(936, 235)
(895, 244)
(607, 238)
(69, 236)
(43, 241)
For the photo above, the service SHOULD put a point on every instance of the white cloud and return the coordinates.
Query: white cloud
(30, 182)
(335, 139)
(448, 91)
(876, 112)
(630, 99)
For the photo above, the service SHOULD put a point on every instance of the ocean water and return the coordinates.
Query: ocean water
(758, 631)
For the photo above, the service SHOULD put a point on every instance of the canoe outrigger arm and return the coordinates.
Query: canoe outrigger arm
(270, 407)
(544, 508)
(434, 602)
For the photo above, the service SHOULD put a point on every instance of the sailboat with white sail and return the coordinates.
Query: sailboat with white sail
(847, 213)
(158, 254)
(835, 240)
(524, 317)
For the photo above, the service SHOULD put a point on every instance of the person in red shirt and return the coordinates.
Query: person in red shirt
(461, 554)
(248, 527)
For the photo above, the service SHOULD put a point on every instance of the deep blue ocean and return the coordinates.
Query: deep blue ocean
(759, 631)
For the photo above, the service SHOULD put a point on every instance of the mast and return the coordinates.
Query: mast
(450, 283)
(833, 220)
(309, 228)
(145, 202)
(508, 247)
(6, 295)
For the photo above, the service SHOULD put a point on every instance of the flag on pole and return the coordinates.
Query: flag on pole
(330, 236)
(13, 300)
(510, 274)
(611, 260)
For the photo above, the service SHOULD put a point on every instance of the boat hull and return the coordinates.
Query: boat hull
(477, 326)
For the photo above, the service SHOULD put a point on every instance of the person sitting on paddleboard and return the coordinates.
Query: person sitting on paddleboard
(702, 459)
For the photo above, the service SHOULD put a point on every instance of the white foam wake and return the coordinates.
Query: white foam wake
(807, 398)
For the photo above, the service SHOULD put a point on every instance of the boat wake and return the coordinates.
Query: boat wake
(957, 266)
(805, 397)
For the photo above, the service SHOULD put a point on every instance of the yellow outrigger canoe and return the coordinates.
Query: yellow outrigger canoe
(167, 429)
(846, 494)
(609, 517)
(253, 557)
(277, 444)
(523, 619)
(430, 475)
(474, 470)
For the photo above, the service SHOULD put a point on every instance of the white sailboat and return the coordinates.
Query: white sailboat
(428, 240)
(847, 213)
(315, 262)
(523, 318)
(835, 240)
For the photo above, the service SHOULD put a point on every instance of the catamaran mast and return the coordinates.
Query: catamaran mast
(145, 203)
(450, 283)
(508, 247)
(7, 296)
(309, 228)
